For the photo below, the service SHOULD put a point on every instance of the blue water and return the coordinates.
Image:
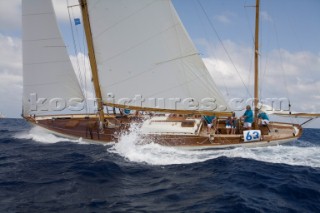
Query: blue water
(40, 172)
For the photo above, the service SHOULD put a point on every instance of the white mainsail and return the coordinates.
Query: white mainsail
(143, 50)
(50, 84)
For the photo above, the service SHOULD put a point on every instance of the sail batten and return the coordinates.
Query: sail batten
(49, 81)
(142, 49)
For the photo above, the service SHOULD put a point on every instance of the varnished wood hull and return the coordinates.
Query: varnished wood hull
(88, 129)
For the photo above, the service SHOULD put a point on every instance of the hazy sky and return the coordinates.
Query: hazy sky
(223, 32)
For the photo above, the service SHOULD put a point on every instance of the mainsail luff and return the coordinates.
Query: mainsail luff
(142, 49)
(48, 75)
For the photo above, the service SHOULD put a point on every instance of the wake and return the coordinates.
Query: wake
(302, 153)
(130, 147)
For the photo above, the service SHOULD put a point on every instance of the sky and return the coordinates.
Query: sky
(222, 31)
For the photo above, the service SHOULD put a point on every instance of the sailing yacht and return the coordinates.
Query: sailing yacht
(142, 59)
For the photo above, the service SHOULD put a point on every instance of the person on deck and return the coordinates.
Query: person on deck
(228, 125)
(127, 111)
(248, 118)
(263, 118)
(211, 122)
(233, 123)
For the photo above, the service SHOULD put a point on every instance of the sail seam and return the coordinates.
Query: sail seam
(41, 39)
(178, 58)
(177, 86)
(140, 43)
(149, 70)
(37, 14)
(122, 20)
(47, 62)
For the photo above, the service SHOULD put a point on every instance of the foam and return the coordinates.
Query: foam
(131, 147)
(40, 135)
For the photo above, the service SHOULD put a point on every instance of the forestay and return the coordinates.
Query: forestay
(48, 78)
(143, 50)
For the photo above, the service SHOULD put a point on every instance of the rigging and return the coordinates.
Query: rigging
(223, 46)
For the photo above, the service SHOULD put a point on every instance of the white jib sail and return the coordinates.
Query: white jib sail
(145, 57)
(50, 84)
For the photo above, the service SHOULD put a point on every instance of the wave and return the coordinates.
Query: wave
(38, 134)
(301, 153)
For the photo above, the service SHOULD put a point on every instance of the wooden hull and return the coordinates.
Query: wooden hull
(87, 128)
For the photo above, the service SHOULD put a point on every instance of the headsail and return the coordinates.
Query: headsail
(144, 52)
(47, 70)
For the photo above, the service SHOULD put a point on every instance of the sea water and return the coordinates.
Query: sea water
(40, 172)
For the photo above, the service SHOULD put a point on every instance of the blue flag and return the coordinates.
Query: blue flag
(77, 21)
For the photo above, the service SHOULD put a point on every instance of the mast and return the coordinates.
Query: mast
(256, 65)
(92, 58)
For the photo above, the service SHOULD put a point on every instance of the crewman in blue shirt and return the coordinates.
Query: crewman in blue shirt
(211, 122)
(263, 118)
(248, 118)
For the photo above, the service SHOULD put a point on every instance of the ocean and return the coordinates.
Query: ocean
(40, 172)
